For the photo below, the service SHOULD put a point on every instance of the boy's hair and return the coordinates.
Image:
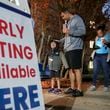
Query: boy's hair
(101, 27)
(57, 43)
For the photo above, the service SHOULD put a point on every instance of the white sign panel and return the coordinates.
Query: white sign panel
(20, 86)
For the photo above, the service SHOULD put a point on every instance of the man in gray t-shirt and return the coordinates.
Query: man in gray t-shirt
(74, 30)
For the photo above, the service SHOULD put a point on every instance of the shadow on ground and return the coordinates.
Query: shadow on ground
(64, 103)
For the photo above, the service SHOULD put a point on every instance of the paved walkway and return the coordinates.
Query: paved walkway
(97, 100)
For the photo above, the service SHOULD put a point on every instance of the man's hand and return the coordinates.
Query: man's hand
(65, 29)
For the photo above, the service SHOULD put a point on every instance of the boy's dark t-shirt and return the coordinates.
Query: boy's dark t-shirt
(54, 60)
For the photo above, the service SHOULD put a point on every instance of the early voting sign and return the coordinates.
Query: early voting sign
(20, 86)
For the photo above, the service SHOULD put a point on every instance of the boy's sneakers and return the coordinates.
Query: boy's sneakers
(69, 91)
(57, 91)
(77, 93)
(51, 90)
(92, 88)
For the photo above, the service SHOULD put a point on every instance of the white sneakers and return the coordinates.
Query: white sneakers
(93, 88)
(106, 89)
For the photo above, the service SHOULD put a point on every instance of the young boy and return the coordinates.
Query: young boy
(54, 62)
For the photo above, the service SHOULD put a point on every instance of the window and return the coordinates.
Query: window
(13, 1)
(22, 4)
(91, 44)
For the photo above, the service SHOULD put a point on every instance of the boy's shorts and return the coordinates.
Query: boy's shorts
(55, 74)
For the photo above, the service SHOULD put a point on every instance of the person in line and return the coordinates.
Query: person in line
(74, 30)
(100, 58)
(106, 42)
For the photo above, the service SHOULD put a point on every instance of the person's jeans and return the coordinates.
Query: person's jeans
(99, 63)
(109, 72)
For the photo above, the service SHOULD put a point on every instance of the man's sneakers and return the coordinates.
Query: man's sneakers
(74, 92)
(78, 93)
(69, 91)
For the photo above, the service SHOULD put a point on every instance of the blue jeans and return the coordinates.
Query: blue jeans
(99, 63)
(109, 72)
